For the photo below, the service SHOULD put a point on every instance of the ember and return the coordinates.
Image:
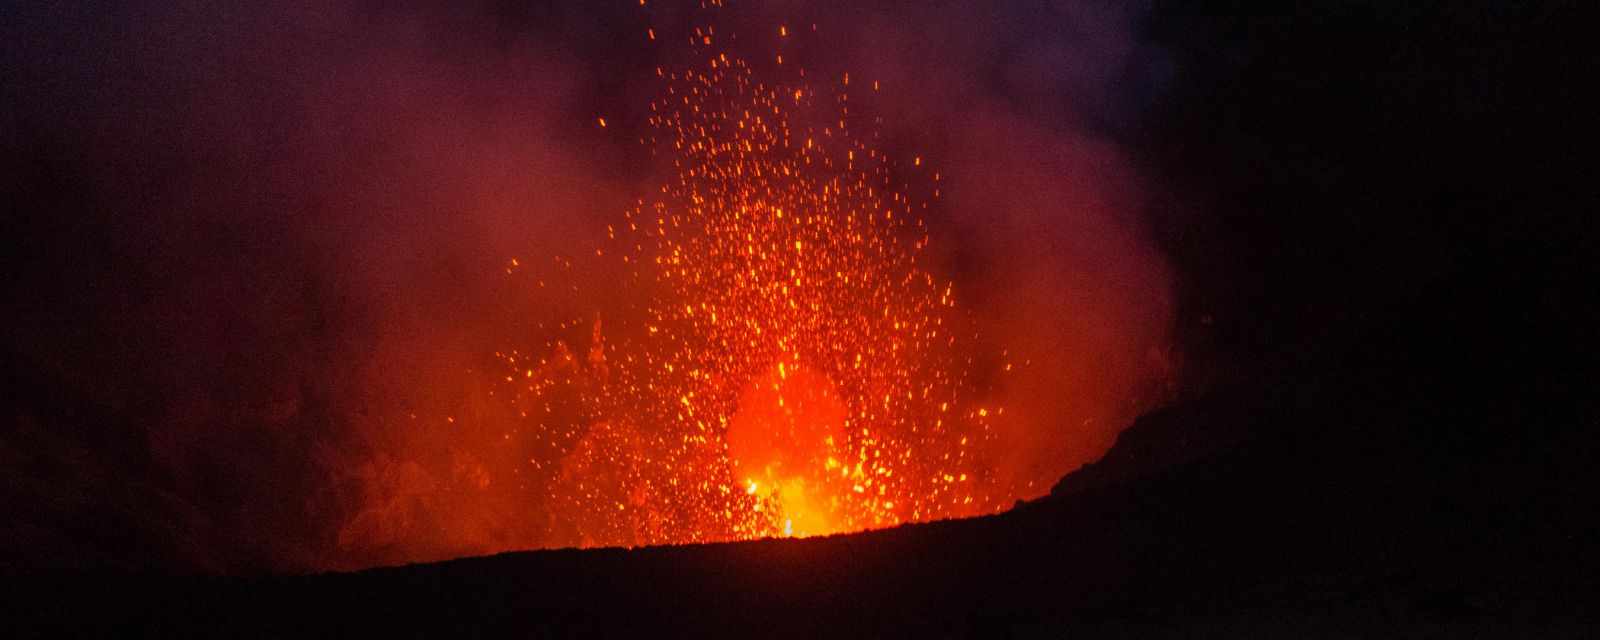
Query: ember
(797, 371)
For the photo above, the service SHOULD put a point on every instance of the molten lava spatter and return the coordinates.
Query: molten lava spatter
(791, 368)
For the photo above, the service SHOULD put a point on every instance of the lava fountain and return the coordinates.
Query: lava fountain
(785, 364)
(797, 370)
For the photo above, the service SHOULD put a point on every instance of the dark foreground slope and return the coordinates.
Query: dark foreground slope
(1408, 485)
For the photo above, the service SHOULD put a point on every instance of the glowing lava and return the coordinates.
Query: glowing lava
(784, 443)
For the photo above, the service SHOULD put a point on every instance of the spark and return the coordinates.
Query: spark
(791, 370)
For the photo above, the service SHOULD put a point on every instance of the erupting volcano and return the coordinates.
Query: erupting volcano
(794, 369)
(797, 319)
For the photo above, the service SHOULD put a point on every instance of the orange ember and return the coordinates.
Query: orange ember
(795, 371)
